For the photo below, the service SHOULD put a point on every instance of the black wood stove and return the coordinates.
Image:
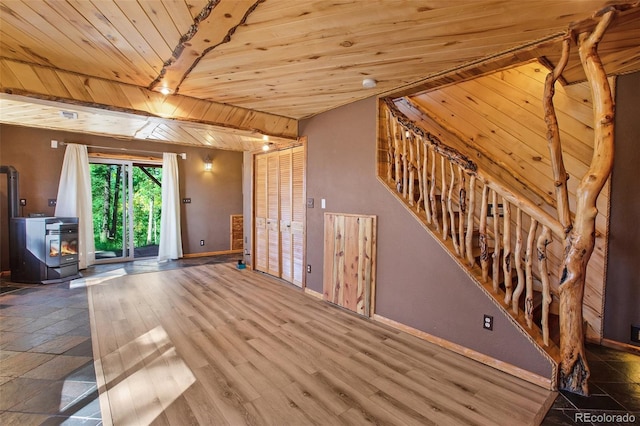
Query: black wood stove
(43, 249)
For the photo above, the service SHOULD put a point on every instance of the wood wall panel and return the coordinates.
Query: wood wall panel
(498, 121)
(349, 261)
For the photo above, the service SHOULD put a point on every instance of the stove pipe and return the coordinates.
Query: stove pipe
(12, 189)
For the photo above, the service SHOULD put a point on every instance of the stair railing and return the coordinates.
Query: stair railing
(491, 229)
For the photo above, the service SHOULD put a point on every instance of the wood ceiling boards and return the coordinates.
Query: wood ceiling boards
(252, 67)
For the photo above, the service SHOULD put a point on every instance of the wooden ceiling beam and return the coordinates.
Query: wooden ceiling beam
(51, 84)
(214, 26)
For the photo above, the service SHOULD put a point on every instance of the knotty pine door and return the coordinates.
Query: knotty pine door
(280, 213)
(349, 261)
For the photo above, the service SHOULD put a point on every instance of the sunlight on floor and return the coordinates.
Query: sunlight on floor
(153, 376)
(97, 279)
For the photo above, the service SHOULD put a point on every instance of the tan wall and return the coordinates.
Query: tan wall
(500, 117)
(622, 301)
(417, 284)
(214, 195)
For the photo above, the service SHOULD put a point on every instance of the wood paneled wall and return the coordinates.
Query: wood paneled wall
(498, 121)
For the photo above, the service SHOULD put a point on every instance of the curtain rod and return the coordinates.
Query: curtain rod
(111, 148)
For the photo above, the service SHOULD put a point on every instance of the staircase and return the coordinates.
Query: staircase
(509, 246)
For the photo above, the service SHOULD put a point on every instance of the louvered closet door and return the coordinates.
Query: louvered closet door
(285, 215)
(273, 214)
(261, 254)
(279, 210)
(298, 211)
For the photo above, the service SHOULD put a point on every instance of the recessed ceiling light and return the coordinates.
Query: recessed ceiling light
(165, 91)
(369, 83)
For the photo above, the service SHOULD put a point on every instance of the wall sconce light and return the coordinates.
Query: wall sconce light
(208, 164)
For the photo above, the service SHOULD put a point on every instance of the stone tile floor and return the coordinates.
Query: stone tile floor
(614, 387)
(47, 375)
(46, 361)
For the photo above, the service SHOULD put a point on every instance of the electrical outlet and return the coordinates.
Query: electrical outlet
(23, 201)
(487, 324)
(635, 333)
(52, 202)
(186, 201)
(308, 269)
(201, 242)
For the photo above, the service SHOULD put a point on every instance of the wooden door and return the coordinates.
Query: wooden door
(261, 241)
(349, 261)
(279, 214)
(273, 215)
(286, 249)
(298, 214)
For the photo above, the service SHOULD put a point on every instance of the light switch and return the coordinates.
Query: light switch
(323, 203)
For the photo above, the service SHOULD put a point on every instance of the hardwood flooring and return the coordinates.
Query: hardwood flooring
(214, 345)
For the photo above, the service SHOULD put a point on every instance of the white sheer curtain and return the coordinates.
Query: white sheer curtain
(74, 200)
(170, 232)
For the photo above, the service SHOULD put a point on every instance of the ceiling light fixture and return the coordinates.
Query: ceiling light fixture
(266, 145)
(369, 83)
(166, 91)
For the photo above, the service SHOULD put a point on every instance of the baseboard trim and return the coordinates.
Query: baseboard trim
(313, 293)
(528, 376)
(211, 253)
(613, 344)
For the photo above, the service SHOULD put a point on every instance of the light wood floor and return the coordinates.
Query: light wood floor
(214, 345)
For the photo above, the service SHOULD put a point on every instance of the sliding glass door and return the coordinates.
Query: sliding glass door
(126, 209)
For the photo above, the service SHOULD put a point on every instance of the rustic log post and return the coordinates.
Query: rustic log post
(425, 182)
(432, 191)
(506, 257)
(496, 239)
(390, 154)
(412, 168)
(574, 372)
(528, 262)
(462, 203)
(517, 292)
(560, 175)
(452, 214)
(543, 241)
(396, 156)
(484, 249)
(405, 164)
(470, 221)
(443, 198)
(419, 142)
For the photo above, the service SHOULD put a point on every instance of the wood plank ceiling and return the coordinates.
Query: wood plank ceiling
(238, 69)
